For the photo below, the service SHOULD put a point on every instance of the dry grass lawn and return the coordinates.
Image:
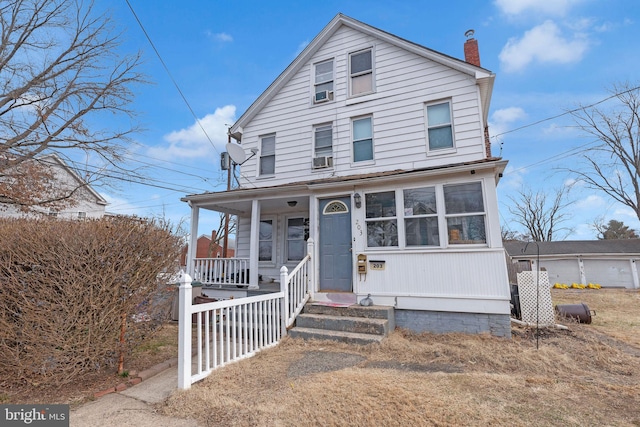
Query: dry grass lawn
(586, 376)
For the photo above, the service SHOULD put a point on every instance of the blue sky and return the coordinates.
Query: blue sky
(548, 56)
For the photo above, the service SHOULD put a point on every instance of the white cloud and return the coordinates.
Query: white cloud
(220, 37)
(592, 203)
(120, 206)
(502, 119)
(517, 7)
(192, 142)
(544, 44)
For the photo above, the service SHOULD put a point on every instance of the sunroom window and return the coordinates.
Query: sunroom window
(381, 219)
(421, 217)
(465, 213)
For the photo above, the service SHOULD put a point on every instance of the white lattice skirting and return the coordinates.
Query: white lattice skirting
(536, 306)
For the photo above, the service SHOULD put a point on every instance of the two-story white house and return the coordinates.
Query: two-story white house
(77, 198)
(377, 148)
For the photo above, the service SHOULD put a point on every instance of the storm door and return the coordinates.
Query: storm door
(335, 245)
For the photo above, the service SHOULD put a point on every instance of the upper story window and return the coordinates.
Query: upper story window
(362, 139)
(323, 140)
(323, 85)
(439, 125)
(361, 72)
(268, 155)
(464, 205)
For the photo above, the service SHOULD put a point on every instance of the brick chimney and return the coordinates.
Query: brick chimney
(471, 52)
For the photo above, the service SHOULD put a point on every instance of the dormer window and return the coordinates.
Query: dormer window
(323, 86)
(361, 72)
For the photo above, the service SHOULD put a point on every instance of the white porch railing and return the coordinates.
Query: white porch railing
(221, 271)
(230, 330)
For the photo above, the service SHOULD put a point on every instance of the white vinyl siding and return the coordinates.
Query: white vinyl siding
(404, 84)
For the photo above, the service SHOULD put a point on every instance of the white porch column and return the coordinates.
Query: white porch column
(254, 249)
(314, 227)
(193, 243)
(634, 273)
(184, 331)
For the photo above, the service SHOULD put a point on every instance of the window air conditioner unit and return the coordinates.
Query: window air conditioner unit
(322, 96)
(322, 162)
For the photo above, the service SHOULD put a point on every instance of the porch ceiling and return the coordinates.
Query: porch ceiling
(270, 205)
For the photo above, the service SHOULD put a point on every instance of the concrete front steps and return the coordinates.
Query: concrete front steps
(354, 324)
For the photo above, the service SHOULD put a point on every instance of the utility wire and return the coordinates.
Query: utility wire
(184, 98)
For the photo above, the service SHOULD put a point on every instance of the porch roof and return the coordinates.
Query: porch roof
(238, 201)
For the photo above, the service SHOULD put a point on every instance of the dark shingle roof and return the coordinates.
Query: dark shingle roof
(575, 247)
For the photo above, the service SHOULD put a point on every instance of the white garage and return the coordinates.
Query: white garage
(609, 263)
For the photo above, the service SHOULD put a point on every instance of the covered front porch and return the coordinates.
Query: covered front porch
(271, 229)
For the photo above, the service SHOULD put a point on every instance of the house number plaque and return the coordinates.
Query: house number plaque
(376, 265)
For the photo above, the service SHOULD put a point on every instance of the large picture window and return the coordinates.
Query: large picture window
(414, 217)
(440, 131)
(268, 155)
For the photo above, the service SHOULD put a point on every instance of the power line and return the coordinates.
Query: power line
(184, 98)
(567, 112)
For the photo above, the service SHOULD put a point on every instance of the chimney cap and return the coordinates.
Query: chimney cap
(469, 33)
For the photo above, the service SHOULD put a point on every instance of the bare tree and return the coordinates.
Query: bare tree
(541, 214)
(613, 167)
(60, 77)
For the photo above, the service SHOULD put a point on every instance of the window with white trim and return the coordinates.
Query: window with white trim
(323, 140)
(465, 213)
(439, 126)
(297, 236)
(265, 240)
(362, 131)
(361, 72)
(323, 84)
(421, 217)
(381, 219)
(82, 215)
(268, 155)
(412, 217)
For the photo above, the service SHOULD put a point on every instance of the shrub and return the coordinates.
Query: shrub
(71, 293)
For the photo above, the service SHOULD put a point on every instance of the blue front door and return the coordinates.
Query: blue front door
(335, 245)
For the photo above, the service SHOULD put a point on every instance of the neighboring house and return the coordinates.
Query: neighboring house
(377, 149)
(608, 263)
(206, 247)
(85, 202)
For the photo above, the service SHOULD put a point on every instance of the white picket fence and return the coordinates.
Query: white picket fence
(234, 329)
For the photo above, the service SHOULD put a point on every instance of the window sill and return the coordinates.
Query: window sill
(356, 99)
(441, 152)
(363, 163)
(266, 176)
(320, 170)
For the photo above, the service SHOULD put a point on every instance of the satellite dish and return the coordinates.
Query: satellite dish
(236, 153)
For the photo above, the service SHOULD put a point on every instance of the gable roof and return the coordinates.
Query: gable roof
(54, 159)
(484, 77)
(573, 248)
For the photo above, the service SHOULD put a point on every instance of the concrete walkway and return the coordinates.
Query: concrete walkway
(133, 406)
